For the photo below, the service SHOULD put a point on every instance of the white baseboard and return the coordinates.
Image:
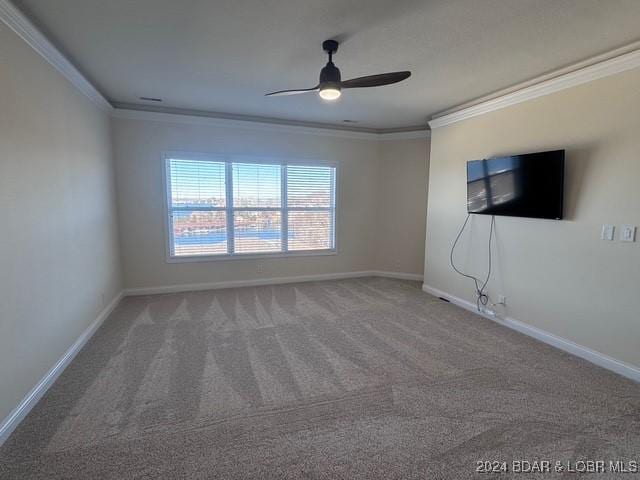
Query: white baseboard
(399, 275)
(597, 358)
(9, 424)
(191, 287)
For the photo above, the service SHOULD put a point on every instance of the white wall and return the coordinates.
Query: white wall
(557, 275)
(139, 144)
(59, 259)
(402, 205)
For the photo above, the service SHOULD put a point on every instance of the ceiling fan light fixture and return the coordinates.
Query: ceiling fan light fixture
(330, 92)
(330, 84)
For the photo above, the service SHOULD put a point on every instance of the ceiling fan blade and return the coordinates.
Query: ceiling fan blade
(291, 92)
(376, 80)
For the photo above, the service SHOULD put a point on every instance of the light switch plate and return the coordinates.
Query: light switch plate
(607, 232)
(627, 233)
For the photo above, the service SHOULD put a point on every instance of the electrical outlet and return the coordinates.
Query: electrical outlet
(260, 268)
(502, 300)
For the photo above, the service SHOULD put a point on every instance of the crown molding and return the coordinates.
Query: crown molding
(23, 27)
(237, 122)
(536, 89)
(253, 119)
(409, 135)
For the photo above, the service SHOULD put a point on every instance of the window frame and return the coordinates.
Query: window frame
(229, 160)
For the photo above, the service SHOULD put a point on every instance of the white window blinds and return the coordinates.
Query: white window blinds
(227, 208)
(257, 208)
(310, 207)
(197, 206)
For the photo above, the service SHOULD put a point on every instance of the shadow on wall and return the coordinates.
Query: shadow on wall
(579, 162)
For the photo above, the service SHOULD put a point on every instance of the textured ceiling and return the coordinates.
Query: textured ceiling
(222, 56)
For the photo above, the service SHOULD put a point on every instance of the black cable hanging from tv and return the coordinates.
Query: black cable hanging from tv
(481, 297)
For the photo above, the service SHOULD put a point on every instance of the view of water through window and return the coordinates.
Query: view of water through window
(219, 208)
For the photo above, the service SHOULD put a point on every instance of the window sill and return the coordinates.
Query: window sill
(248, 256)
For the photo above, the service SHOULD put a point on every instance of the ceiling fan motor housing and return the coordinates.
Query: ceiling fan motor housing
(330, 46)
(330, 74)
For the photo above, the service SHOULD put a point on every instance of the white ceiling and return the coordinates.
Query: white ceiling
(223, 55)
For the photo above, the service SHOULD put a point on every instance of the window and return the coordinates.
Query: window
(223, 208)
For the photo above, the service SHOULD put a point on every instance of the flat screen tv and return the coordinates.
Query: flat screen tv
(529, 185)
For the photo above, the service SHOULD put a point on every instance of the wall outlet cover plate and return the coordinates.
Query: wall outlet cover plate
(607, 232)
(628, 233)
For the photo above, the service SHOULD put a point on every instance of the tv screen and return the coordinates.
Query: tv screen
(529, 185)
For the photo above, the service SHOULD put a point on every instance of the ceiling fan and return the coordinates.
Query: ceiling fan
(331, 85)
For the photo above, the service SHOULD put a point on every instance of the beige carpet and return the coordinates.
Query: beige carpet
(355, 379)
